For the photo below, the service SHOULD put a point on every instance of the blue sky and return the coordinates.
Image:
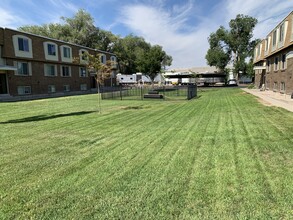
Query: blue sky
(180, 26)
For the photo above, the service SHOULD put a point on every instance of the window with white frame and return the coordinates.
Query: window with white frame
(50, 70)
(275, 86)
(276, 64)
(51, 49)
(83, 55)
(268, 65)
(83, 87)
(65, 71)
(267, 44)
(281, 32)
(66, 53)
(82, 72)
(103, 59)
(66, 88)
(113, 62)
(51, 52)
(282, 87)
(274, 37)
(51, 89)
(23, 68)
(24, 90)
(284, 66)
(22, 46)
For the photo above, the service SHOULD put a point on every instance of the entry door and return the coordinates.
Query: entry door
(3, 84)
(93, 82)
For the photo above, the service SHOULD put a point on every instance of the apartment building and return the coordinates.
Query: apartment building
(273, 58)
(35, 66)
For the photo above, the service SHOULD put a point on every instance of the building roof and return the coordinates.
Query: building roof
(48, 38)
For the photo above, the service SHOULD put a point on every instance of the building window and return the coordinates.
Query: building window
(274, 37)
(282, 87)
(23, 68)
(51, 52)
(276, 63)
(268, 65)
(113, 62)
(65, 71)
(50, 70)
(103, 59)
(24, 90)
(51, 89)
(23, 44)
(66, 52)
(267, 44)
(281, 33)
(83, 55)
(83, 87)
(258, 50)
(275, 86)
(82, 72)
(66, 88)
(284, 61)
(51, 49)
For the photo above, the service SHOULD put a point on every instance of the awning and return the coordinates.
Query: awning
(4, 67)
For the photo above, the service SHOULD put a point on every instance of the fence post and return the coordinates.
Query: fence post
(120, 91)
(141, 92)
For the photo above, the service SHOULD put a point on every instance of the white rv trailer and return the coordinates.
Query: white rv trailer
(133, 78)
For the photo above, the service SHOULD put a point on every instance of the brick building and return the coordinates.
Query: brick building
(36, 66)
(273, 58)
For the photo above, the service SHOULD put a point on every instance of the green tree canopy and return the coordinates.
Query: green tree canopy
(233, 45)
(134, 53)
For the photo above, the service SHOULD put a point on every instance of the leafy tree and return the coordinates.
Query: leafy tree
(152, 61)
(78, 30)
(233, 45)
(136, 55)
(95, 66)
(133, 53)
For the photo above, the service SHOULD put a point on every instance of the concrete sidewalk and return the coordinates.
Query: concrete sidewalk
(273, 98)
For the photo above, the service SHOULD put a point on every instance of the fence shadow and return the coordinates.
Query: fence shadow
(45, 117)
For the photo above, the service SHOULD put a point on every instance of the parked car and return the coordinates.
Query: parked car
(232, 82)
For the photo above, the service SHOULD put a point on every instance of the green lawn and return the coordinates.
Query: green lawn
(221, 156)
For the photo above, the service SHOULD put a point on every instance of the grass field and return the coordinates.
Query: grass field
(221, 156)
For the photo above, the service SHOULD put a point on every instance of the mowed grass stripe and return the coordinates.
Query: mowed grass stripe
(205, 158)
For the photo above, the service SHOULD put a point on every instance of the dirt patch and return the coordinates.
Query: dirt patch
(264, 102)
(133, 108)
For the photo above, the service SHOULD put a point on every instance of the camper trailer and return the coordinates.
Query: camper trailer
(136, 78)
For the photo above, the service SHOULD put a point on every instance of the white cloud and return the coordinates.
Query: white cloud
(8, 19)
(168, 28)
(268, 13)
(163, 27)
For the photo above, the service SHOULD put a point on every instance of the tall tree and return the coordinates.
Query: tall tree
(153, 60)
(131, 51)
(233, 45)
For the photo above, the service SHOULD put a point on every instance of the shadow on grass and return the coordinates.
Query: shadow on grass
(45, 117)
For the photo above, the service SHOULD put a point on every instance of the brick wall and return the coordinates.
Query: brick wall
(38, 81)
